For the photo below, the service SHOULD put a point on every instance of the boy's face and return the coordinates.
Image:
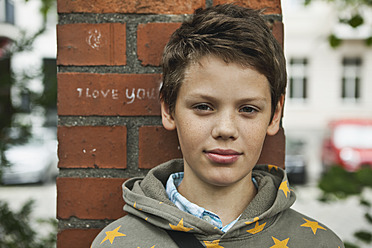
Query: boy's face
(222, 115)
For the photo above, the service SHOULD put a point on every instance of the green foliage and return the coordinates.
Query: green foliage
(368, 41)
(16, 232)
(355, 21)
(368, 217)
(364, 236)
(350, 245)
(364, 176)
(351, 13)
(338, 184)
(334, 41)
(365, 203)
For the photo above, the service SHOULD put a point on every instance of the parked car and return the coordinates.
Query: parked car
(32, 162)
(348, 143)
(295, 161)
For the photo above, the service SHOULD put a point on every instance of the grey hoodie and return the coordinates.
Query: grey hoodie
(267, 222)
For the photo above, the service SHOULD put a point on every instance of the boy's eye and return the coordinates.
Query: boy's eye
(203, 107)
(247, 109)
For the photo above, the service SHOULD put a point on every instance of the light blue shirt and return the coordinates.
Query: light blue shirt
(185, 205)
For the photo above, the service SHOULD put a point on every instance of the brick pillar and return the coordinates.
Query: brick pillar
(109, 125)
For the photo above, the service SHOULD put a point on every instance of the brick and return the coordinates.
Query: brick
(270, 6)
(130, 6)
(91, 44)
(157, 145)
(273, 151)
(108, 94)
(151, 40)
(278, 31)
(76, 237)
(92, 147)
(90, 198)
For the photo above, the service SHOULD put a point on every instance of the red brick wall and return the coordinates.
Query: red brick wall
(109, 124)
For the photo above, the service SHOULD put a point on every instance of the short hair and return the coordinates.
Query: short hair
(233, 34)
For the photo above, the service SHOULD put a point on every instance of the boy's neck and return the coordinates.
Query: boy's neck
(227, 202)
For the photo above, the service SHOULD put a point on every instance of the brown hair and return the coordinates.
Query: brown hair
(232, 33)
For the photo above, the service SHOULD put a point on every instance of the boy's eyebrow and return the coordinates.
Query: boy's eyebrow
(194, 96)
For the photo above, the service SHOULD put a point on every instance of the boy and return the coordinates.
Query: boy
(223, 89)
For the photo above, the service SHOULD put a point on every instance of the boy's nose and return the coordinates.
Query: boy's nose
(225, 127)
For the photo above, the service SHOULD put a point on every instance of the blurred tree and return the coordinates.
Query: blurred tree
(8, 80)
(353, 13)
(338, 184)
(17, 230)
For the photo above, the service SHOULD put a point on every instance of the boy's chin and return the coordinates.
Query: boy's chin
(226, 181)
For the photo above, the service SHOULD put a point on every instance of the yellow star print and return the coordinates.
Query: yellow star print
(111, 235)
(254, 220)
(135, 206)
(284, 186)
(272, 166)
(313, 225)
(180, 227)
(258, 228)
(150, 247)
(213, 244)
(280, 244)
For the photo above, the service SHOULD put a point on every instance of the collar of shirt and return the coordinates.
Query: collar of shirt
(185, 205)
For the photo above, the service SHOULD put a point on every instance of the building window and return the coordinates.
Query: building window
(7, 11)
(298, 78)
(351, 78)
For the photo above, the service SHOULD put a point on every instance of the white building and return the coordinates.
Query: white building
(324, 83)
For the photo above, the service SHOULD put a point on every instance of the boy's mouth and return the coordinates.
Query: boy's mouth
(223, 156)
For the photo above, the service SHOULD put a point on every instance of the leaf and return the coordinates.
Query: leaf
(369, 41)
(356, 21)
(368, 218)
(350, 245)
(334, 41)
(365, 203)
(364, 236)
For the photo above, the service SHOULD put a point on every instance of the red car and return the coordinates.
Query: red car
(348, 143)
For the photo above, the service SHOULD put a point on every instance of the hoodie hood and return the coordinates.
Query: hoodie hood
(147, 199)
(268, 221)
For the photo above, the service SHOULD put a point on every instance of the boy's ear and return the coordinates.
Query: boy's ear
(166, 117)
(273, 128)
